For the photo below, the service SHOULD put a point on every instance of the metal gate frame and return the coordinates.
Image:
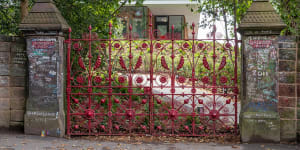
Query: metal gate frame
(99, 101)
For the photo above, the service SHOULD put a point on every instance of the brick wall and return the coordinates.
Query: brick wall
(13, 64)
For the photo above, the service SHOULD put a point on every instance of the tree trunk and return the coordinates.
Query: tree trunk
(24, 8)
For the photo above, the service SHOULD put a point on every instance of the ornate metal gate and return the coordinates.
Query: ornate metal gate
(157, 87)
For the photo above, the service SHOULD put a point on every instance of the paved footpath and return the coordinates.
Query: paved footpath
(18, 141)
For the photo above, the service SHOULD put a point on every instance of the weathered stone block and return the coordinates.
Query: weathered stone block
(287, 54)
(17, 115)
(35, 123)
(287, 113)
(286, 65)
(287, 90)
(4, 104)
(287, 77)
(4, 57)
(17, 103)
(18, 70)
(5, 46)
(4, 38)
(298, 90)
(18, 81)
(4, 119)
(298, 65)
(287, 102)
(4, 92)
(18, 92)
(4, 69)
(18, 46)
(288, 130)
(298, 126)
(4, 81)
(16, 125)
(260, 127)
(299, 52)
(287, 45)
(298, 77)
(18, 54)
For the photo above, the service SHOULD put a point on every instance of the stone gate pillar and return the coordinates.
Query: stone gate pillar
(260, 29)
(43, 28)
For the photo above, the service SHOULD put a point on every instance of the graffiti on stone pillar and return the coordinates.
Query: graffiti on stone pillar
(42, 55)
(261, 67)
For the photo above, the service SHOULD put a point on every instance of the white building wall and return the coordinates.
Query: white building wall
(177, 9)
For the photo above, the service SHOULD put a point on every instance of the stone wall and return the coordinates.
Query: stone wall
(298, 89)
(287, 93)
(13, 64)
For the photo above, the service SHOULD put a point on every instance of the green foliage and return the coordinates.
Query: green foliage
(289, 11)
(10, 16)
(216, 10)
(78, 13)
(81, 13)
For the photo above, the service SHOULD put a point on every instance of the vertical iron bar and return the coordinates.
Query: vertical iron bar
(193, 77)
(172, 77)
(130, 75)
(151, 127)
(235, 67)
(214, 74)
(89, 77)
(214, 66)
(109, 82)
(69, 82)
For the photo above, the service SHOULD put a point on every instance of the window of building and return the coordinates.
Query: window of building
(137, 17)
(163, 27)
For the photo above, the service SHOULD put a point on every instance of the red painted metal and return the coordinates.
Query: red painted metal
(151, 87)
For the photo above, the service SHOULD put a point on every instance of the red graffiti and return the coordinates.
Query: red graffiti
(260, 43)
(42, 44)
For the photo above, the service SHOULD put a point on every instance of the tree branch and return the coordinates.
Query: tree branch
(114, 13)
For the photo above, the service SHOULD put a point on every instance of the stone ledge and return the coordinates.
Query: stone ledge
(258, 115)
(260, 127)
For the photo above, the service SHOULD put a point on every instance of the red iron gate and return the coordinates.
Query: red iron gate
(157, 87)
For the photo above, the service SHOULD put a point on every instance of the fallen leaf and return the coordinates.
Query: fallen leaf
(106, 148)
(90, 148)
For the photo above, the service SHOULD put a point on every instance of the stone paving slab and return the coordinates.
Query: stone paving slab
(19, 141)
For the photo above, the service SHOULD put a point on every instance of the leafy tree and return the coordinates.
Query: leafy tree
(224, 9)
(290, 12)
(10, 16)
(78, 13)
(81, 13)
